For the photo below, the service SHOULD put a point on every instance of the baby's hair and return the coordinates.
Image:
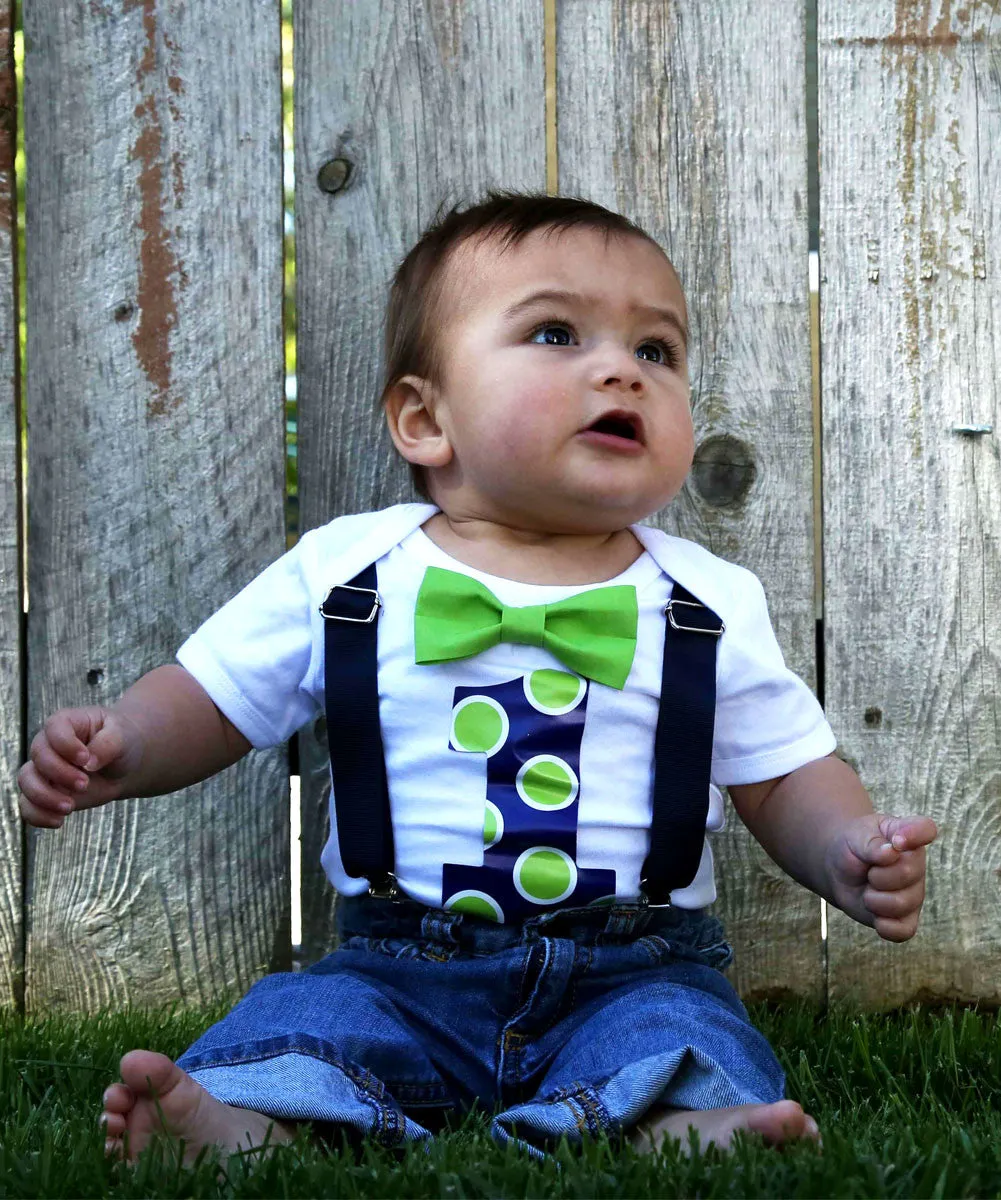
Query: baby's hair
(415, 296)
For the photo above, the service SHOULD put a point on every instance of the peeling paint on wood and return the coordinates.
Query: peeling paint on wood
(446, 20)
(160, 270)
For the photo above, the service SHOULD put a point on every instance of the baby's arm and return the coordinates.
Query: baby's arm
(164, 734)
(818, 824)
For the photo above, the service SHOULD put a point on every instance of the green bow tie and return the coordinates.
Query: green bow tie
(593, 633)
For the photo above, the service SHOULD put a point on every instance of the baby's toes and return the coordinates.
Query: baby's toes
(113, 1123)
(118, 1098)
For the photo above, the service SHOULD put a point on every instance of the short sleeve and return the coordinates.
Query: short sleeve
(253, 655)
(768, 722)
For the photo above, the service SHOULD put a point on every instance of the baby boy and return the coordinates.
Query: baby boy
(532, 702)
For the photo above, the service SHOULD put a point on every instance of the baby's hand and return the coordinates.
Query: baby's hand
(78, 759)
(878, 872)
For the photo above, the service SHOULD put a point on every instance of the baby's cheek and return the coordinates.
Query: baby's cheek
(504, 457)
(520, 433)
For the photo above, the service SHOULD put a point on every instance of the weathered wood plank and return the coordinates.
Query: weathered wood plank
(156, 435)
(694, 126)
(11, 656)
(425, 102)
(910, 146)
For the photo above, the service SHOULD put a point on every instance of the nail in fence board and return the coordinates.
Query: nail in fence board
(11, 657)
(423, 102)
(694, 126)
(156, 475)
(910, 149)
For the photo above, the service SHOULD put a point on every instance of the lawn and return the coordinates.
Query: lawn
(909, 1104)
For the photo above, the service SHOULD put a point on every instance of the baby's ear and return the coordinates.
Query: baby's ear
(410, 415)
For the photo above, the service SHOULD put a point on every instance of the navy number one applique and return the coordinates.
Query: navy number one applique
(530, 730)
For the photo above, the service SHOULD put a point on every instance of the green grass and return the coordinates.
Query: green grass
(909, 1104)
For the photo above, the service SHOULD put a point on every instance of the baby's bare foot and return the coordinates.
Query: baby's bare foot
(784, 1121)
(157, 1098)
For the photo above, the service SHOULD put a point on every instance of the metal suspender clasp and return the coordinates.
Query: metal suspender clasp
(676, 624)
(645, 900)
(344, 587)
(385, 888)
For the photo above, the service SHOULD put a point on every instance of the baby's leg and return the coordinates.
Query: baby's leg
(783, 1121)
(667, 1046)
(157, 1098)
(324, 1045)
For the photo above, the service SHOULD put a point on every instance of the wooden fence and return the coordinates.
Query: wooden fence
(154, 396)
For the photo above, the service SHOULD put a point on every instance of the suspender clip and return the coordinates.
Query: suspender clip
(340, 616)
(385, 888)
(675, 624)
(646, 901)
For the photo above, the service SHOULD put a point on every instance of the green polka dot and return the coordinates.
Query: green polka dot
(493, 825)
(475, 906)
(544, 875)
(553, 689)
(548, 783)
(477, 727)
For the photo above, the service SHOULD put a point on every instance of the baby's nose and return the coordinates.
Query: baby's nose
(617, 368)
(625, 375)
(634, 384)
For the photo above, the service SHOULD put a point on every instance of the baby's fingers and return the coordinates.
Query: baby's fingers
(908, 833)
(897, 929)
(40, 803)
(52, 766)
(896, 913)
(907, 870)
(69, 731)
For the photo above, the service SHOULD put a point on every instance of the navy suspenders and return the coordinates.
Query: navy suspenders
(354, 734)
(682, 746)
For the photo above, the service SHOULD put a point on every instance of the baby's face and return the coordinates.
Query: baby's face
(565, 396)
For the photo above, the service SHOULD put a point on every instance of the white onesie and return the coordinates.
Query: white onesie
(260, 658)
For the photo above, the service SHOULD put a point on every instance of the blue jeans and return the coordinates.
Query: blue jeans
(575, 1022)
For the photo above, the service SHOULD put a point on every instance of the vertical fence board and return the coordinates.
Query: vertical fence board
(694, 126)
(910, 145)
(11, 660)
(425, 102)
(156, 470)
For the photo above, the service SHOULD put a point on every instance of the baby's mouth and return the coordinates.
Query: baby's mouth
(618, 425)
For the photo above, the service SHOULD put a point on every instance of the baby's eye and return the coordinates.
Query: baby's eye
(658, 352)
(552, 335)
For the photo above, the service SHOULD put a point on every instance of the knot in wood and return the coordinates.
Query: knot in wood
(724, 470)
(333, 176)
